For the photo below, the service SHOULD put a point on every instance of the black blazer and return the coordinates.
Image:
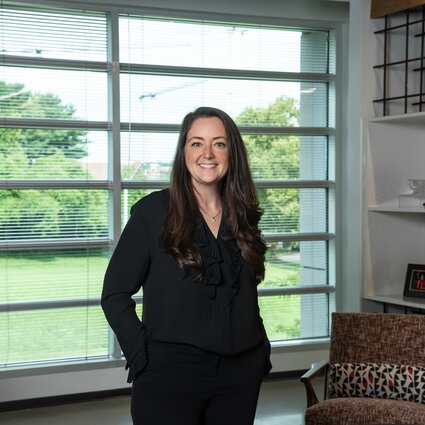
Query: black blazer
(219, 314)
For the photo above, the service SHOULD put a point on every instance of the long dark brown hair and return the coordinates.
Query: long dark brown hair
(241, 210)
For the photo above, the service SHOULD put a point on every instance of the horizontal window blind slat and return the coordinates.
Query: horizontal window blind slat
(59, 154)
(298, 237)
(56, 334)
(225, 45)
(44, 305)
(45, 243)
(53, 94)
(47, 33)
(298, 263)
(53, 123)
(54, 184)
(245, 130)
(165, 99)
(149, 156)
(53, 63)
(242, 74)
(39, 214)
(295, 290)
(290, 210)
(53, 274)
(292, 317)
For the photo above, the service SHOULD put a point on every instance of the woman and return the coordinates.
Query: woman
(200, 352)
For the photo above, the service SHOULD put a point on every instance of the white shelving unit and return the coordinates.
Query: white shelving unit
(394, 236)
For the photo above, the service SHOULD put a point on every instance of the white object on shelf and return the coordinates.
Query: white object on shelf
(417, 186)
(411, 199)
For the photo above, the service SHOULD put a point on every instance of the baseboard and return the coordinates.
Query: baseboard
(61, 399)
(76, 398)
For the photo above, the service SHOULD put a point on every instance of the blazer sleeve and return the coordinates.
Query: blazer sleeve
(124, 277)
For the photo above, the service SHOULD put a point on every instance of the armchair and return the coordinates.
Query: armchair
(375, 373)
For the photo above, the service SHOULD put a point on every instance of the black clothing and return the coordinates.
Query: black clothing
(183, 385)
(219, 314)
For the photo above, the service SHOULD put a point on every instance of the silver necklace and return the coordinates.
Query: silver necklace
(214, 217)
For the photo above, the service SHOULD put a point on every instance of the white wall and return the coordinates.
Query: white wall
(360, 93)
(51, 381)
(280, 9)
(56, 380)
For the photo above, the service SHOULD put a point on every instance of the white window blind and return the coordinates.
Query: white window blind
(278, 85)
(65, 113)
(54, 217)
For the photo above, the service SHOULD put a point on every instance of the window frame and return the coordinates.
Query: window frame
(114, 126)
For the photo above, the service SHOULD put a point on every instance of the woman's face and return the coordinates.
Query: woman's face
(207, 152)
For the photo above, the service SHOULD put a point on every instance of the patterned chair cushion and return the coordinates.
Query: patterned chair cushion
(387, 381)
(365, 411)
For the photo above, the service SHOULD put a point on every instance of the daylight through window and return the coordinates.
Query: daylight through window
(81, 140)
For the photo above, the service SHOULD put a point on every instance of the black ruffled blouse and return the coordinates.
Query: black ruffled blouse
(219, 314)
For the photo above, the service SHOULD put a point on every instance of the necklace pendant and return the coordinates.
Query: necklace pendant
(213, 217)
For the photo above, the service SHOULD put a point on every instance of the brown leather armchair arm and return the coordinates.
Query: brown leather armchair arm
(317, 369)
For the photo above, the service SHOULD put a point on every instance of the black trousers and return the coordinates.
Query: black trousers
(183, 385)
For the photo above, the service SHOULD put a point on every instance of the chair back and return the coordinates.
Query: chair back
(378, 338)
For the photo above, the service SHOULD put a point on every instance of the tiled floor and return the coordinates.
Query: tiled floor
(282, 402)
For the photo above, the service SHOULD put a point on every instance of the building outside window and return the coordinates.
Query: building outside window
(90, 107)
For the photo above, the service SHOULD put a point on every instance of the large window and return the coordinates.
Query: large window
(90, 107)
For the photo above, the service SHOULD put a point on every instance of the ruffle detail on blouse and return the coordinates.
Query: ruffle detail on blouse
(233, 253)
(235, 263)
(212, 259)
